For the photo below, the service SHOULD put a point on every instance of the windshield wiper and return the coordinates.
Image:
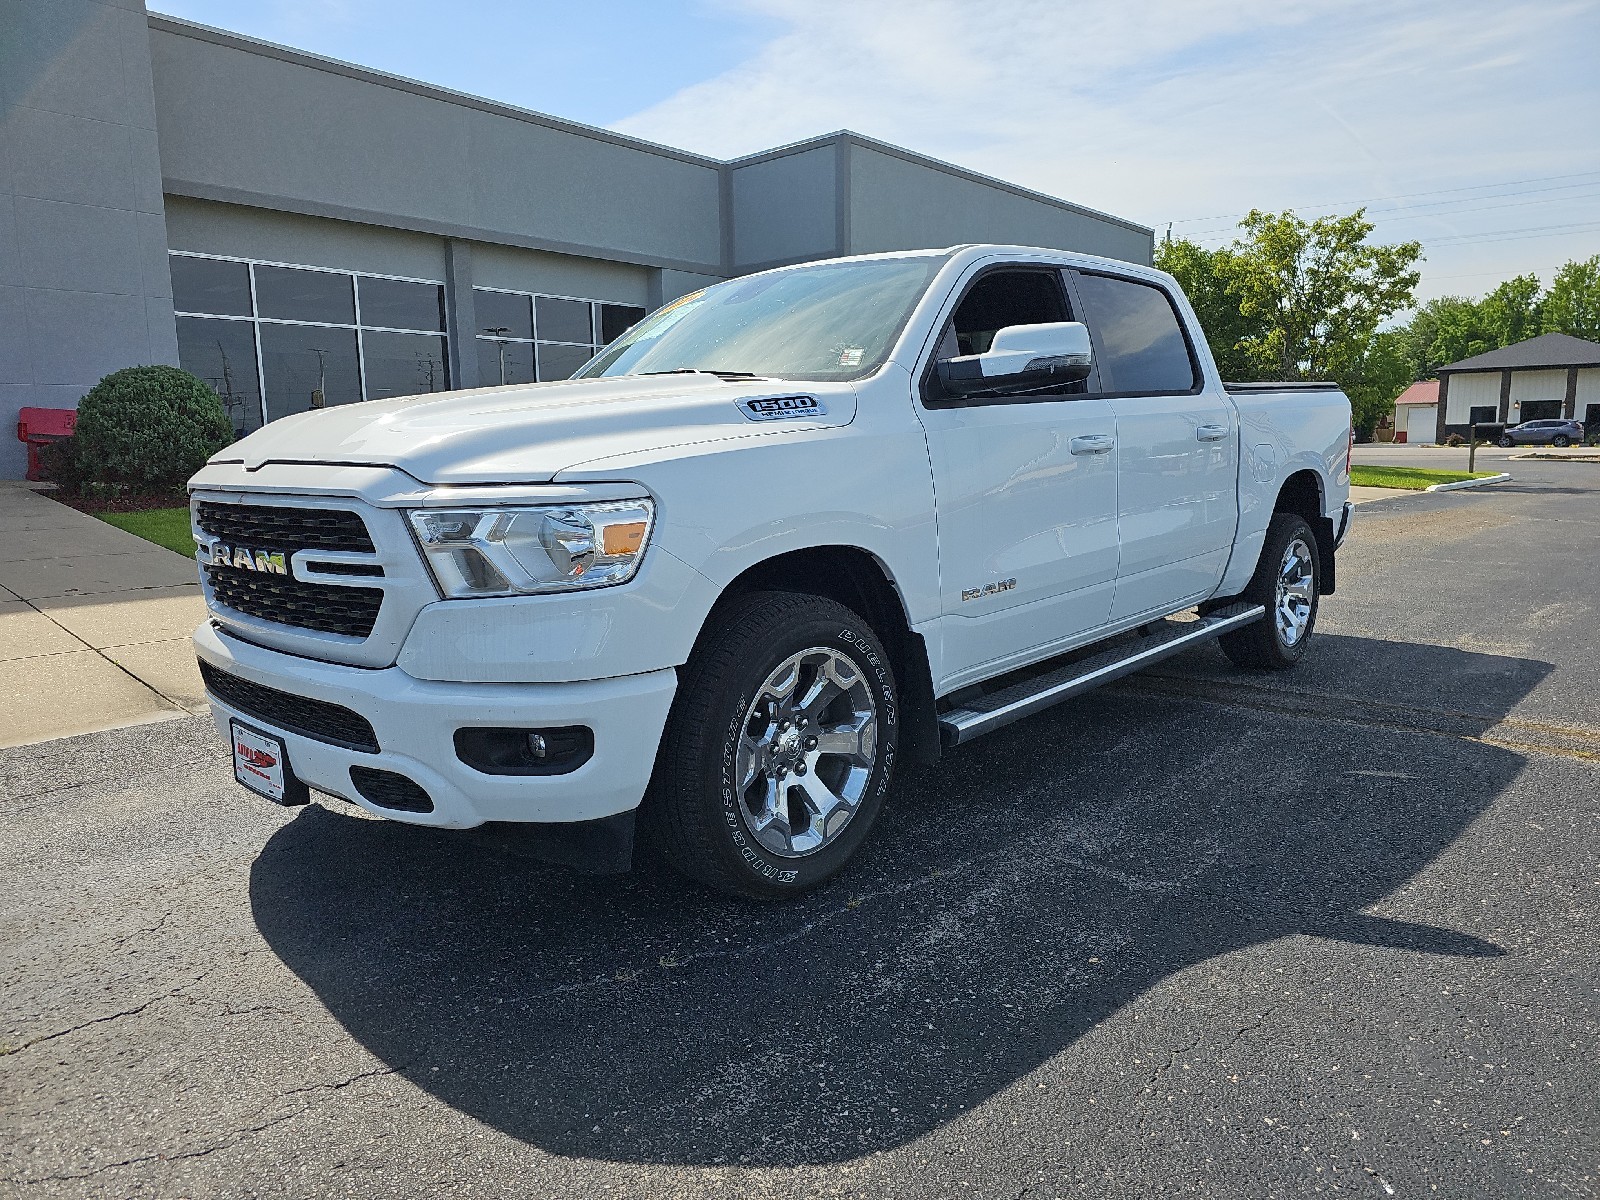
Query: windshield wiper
(703, 371)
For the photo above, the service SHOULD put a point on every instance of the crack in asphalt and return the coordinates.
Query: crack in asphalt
(227, 1141)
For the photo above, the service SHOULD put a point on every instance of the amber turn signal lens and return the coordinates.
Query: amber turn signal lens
(622, 539)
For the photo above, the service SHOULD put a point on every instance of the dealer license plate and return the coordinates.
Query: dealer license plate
(261, 763)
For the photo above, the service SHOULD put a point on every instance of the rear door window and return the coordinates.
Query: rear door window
(1139, 341)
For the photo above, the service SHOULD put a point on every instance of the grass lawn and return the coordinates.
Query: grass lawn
(167, 527)
(1413, 479)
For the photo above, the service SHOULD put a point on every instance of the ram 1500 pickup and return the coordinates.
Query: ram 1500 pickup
(783, 534)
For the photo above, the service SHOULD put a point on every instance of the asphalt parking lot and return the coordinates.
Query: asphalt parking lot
(1204, 933)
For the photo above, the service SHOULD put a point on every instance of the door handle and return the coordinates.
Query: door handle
(1093, 443)
(1211, 433)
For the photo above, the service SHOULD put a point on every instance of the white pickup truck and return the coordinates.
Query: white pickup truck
(784, 533)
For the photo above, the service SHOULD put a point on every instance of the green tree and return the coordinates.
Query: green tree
(1208, 279)
(1514, 311)
(1321, 290)
(1375, 377)
(1573, 305)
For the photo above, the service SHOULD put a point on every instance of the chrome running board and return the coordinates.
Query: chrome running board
(984, 714)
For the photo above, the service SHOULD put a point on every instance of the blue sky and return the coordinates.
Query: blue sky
(1470, 125)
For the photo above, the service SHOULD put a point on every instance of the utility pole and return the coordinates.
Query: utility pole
(319, 398)
(499, 332)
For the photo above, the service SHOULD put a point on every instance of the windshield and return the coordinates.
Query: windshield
(831, 321)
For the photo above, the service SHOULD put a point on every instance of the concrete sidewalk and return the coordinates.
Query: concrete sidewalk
(94, 624)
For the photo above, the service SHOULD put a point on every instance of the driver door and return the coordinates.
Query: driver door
(1025, 490)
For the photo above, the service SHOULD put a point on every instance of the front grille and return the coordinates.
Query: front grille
(282, 527)
(325, 607)
(387, 789)
(314, 719)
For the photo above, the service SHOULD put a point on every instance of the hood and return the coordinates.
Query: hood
(527, 433)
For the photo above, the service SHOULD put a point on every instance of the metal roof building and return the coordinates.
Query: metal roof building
(289, 226)
(1553, 375)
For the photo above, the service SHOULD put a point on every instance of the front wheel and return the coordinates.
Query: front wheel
(1562, 440)
(1506, 441)
(1286, 584)
(780, 747)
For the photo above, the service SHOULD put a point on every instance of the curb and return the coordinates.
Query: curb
(1467, 483)
(1560, 457)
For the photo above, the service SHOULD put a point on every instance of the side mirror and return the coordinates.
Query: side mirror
(1022, 357)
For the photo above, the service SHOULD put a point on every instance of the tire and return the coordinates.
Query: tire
(1561, 440)
(744, 799)
(1279, 642)
(1506, 440)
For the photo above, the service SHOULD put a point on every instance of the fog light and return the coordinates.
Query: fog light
(549, 751)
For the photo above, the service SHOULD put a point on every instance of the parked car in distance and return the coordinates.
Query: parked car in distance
(1543, 433)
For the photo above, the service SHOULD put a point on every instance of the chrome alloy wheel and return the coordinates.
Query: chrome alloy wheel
(805, 752)
(1296, 590)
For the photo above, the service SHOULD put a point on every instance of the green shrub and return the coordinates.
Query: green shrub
(140, 430)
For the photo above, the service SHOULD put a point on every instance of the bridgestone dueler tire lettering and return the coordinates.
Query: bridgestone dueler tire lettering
(691, 812)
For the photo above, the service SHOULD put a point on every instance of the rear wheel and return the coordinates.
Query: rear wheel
(1286, 585)
(1562, 440)
(779, 750)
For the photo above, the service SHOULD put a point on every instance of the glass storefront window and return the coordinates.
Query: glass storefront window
(544, 337)
(308, 366)
(297, 339)
(516, 356)
(560, 362)
(223, 353)
(503, 314)
(558, 320)
(400, 304)
(402, 364)
(292, 294)
(616, 320)
(211, 285)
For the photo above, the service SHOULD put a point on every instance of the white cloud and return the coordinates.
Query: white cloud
(1180, 109)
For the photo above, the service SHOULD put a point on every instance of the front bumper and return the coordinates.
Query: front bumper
(415, 722)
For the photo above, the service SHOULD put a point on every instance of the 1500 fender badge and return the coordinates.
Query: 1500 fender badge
(988, 589)
(270, 562)
(782, 408)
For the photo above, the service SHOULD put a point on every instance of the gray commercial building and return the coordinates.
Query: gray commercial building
(298, 230)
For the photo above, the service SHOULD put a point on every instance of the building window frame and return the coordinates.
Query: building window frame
(596, 331)
(255, 319)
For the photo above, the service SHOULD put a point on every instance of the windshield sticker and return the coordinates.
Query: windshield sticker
(851, 357)
(782, 408)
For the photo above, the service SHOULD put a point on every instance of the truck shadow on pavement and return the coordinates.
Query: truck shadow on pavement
(1012, 899)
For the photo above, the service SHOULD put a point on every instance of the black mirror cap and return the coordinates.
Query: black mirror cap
(964, 376)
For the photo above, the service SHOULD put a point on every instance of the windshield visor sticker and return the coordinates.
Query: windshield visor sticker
(782, 408)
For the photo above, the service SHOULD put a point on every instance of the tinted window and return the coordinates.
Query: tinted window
(517, 358)
(298, 360)
(617, 319)
(296, 295)
(1006, 298)
(1138, 341)
(564, 321)
(210, 285)
(561, 362)
(1483, 414)
(223, 353)
(403, 364)
(511, 316)
(398, 304)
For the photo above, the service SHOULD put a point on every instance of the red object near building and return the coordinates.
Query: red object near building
(38, 427)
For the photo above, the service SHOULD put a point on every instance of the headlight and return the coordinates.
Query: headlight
(513, 551)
